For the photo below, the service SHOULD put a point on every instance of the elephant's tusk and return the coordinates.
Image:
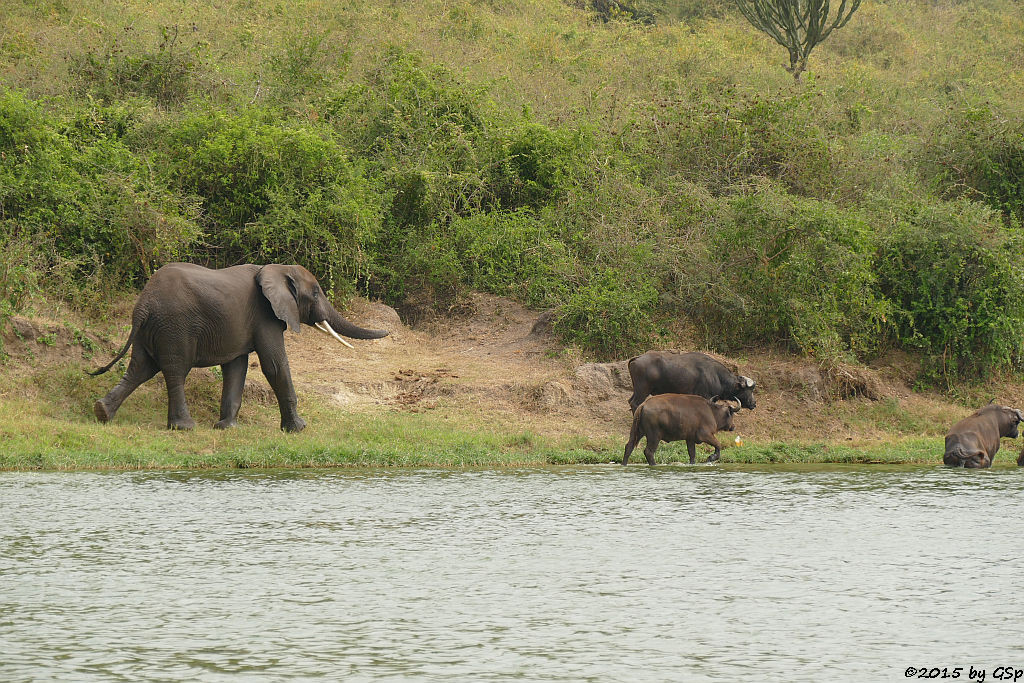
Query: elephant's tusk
(325, 327)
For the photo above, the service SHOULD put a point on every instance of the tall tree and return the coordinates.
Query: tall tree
(797, 25)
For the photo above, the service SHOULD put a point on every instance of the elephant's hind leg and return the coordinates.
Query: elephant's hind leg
(231, 394)
(140, 369)
(178, 416)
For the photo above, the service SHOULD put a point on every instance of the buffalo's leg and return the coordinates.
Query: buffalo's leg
(630, 445)
(231, 393)
(712, 441)
(178, 416)
(691, 450)
(650, 448)
(140, 369)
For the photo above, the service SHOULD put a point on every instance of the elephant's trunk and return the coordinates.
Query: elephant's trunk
(342, 326)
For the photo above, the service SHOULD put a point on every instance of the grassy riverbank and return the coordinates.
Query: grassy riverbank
(473, 390)
(34, 440)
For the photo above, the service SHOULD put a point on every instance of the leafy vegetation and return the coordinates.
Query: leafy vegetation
(630, 165)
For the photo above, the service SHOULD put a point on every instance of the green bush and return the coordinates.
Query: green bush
(408, 113)
(611, 314)
(514, 255)
(978, 152)
(85, 193)
(952, 271)
(274, 191)
(430, 276)
(792, 271)
(534, 165)
(782, 137)
(168, 74)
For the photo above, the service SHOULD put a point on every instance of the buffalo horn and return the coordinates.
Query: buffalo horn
(747, 382)
(1020, 415)
(324, 327)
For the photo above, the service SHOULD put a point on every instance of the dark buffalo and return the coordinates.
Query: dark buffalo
(974, 440)
(667, 372)
(679, 417)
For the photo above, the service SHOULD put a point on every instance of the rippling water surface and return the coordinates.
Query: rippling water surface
(596, 573)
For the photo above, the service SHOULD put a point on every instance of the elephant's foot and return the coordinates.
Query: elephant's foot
(99, 408)
(296, 424)
(185, 424)
(225, 424)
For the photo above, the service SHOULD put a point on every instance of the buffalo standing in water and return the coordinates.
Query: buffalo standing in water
(679, 417)
(973, 441)
(667, 372)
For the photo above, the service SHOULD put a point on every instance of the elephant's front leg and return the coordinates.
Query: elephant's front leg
(231, 393)
(275, 366)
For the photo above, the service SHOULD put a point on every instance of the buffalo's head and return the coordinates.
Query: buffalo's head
(723, 412)
(1013, 417)
(744, 392)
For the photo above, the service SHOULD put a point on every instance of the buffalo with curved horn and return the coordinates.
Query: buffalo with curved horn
(974, 441)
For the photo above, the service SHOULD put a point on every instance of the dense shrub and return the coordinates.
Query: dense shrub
(979, 152)
(273, 191)
(783, 137)
(168, 73)
(85, 193)
(611, 314)
(952, 271)
(513, 254)
(534, 164)
(793, 271)
(619, 10)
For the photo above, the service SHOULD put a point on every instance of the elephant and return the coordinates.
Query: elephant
(188, 316)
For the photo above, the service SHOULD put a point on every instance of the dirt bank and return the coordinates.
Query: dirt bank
(499, 362)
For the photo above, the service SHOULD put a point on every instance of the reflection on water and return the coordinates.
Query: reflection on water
(596, 573)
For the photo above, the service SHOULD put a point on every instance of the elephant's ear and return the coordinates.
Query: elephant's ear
(277, 285)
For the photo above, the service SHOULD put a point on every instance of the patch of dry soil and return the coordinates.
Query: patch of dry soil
(501, 362)
(498, 363)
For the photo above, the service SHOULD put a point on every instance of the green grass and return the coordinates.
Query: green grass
(41, 435)
(46, 423)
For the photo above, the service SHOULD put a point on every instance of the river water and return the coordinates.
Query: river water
(577, 574)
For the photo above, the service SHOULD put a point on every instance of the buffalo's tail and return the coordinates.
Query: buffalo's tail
(634, 433)
(954, 457)
(118, 357)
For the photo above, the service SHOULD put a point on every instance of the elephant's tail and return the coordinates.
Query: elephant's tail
(118, 357)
